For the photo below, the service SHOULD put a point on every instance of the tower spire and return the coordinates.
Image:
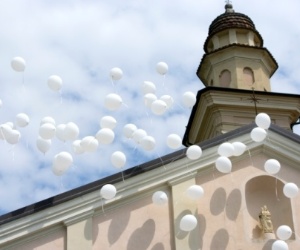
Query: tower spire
(228, 7)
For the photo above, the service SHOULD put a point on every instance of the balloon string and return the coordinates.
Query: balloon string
(276, 189)
(102, 205)
(113, 85)
(125, 105)
(162, 162)
(179, 106)
(250, 157)
(122, 172)
(61, 185)
(2, 134)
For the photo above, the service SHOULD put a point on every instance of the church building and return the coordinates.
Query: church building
(234, 186)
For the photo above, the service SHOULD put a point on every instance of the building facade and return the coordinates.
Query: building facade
(241, 207)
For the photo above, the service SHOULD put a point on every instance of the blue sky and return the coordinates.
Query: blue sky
(81, 41)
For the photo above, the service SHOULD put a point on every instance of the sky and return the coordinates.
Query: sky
(81, 41)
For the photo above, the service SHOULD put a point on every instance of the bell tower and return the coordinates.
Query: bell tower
(234, 54)
(236, 71)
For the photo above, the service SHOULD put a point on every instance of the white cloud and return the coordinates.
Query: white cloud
(81, 41)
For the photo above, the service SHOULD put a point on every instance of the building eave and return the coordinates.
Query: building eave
(226, 92)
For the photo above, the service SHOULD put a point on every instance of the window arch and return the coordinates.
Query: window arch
(248, 76)
(267, 190)
(225, 78)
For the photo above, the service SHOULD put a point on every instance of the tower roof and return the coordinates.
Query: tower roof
(231, 20)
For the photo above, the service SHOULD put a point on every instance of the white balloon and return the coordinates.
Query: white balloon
(108, 122)
(263, 120)
(18, 64)
(138, 135)
(148, 87)
(22, 120)
(60, 129)
(174, 141)
(168, 100)
(77, 147)
(189, 99)
(160, 198)
(0, 103)
(239, 148)
(195, 192)
(113, 102)
(105, 136)
(47, 119)
(188, 223)
(13, 137)
(148, 143)
(54, 83)
(149, 99)
(71, 131)
(280, 245)
(5, 130)
(158, 107)
(193, 152)
(47, 131)
(272, 166)
(118, 159)
(116, 74)
(258, 134)
(162, 68)
(108, 191)
(284, 232)
(223, 164)
(89, 144)
(43, 145)
(290, 190)
(129, 129)
(226, 149)
(61, 163)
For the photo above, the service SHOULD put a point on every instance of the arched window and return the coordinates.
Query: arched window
(248, 76)
(225, 78)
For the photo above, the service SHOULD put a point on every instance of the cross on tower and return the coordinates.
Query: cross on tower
(254, 99)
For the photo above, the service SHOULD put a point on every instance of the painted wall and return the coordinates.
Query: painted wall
(228, 214)
(138, 225)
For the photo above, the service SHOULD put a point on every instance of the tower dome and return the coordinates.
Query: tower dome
(231, 20)
(234, 54)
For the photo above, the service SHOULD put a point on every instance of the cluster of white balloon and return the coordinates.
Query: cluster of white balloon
(70, 131)
(283, 233)
(139, 136)
(9, 131)
(226, 150)
(271, 166)
(223, 164)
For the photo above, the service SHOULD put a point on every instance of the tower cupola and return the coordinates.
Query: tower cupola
(234, 54)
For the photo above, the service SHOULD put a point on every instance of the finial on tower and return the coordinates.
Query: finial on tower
(228, 7)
